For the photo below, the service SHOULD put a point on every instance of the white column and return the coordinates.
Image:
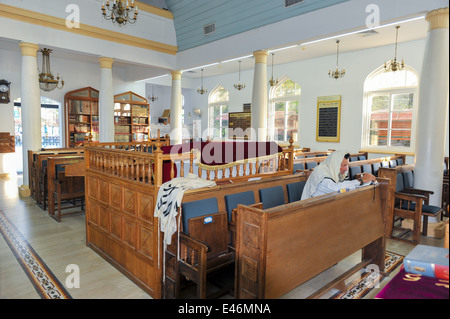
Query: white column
(259, 97)
(176, 124)
(433, 107)
(106, 101)
(31, 109)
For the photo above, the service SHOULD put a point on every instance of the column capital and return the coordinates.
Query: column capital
(29, 49)
(105, 63)
(261, 56)
(176, 75)
(437, 19)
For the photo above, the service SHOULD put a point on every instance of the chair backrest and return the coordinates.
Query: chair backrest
(375, 167)
(232, 200)
(385, 164)
(408, 179)
(366, 168)
(362, 158)
(310, 165)
(353, 159)
(399, 186)
(295, 190)
(399, 161)
(272, 196)
(354, 170)
(299, 166)
(202, 207)
(392, 163)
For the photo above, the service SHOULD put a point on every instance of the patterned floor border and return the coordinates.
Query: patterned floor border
(42, 278)
(368, 280)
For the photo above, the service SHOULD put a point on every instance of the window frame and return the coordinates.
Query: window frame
(271, 111)
(211, 105)
(390, 91)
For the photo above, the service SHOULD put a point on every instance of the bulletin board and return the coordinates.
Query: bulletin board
(328, 118)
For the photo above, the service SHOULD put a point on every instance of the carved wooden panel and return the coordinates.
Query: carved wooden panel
(103, 194)
(145, 207)
(92, 187)
(116, 196)
(145, 241)
(129, 203)
(92, 213)
(129, 232)
(104, 218)
(116, 224)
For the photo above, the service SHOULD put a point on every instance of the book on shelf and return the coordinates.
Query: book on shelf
(427, 261)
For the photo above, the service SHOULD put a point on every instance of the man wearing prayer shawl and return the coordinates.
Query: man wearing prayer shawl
(331, 176)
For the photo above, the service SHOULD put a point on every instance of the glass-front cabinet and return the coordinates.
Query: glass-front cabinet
(131, 118)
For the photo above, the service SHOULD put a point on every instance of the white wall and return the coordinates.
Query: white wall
(312, 76)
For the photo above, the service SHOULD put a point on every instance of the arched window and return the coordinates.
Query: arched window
(218, 112)
(283, 111)
(390, 105)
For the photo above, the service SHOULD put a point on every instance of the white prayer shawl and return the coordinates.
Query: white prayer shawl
(169, 199)
(329, 168)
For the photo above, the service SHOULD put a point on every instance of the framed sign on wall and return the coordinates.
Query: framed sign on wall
(238, 124)
(328, 118)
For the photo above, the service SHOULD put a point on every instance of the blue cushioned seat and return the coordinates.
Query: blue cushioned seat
(299, 166)
(362, 158)
(366, 168)
(408, 179)
(272, 196)
(353, 159)
(198, 208)
(232, 200)
(295, 190)
(375, 167)
(385, 164)
(399, 162)
(310, 165)
(353, 171)
(393, 163)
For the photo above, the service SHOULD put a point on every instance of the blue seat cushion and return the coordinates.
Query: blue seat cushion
(299, 166)
(367, 168)
(362, 158)
(408, 179)
(202, 207)
(427, 209)
(354, 170)
(353, 159)
(295, 191)
(375, 167)
(399, 186)
(272, 196)
(231, 201)
(310, 165)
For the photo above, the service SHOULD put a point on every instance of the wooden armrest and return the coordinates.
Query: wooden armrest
(192, 243)
(410, 197)
(418, 191)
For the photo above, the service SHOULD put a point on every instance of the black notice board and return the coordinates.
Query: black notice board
(328, 118)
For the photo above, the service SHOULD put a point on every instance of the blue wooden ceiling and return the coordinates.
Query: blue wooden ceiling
(230, 16)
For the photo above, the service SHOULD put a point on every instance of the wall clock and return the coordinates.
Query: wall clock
(4, 91)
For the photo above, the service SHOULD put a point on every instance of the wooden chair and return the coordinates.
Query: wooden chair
(203, 244)
(67, 187)
(231, 202)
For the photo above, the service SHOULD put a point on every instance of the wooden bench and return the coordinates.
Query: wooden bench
(280, 248)
(305, 162)
(65, 175)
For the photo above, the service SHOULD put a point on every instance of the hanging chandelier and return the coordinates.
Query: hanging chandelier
(47, 81)
(336, 74)
(393, 65)
(272, 82)
(239, 86)
(120, 12)
(202, 90)
(153, 98)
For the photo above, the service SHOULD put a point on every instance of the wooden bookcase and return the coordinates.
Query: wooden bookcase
(131, 118)
(81, 116)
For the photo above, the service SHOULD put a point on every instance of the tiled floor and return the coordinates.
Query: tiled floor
(63, 244)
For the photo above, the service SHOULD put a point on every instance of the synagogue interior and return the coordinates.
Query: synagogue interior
(168, 149)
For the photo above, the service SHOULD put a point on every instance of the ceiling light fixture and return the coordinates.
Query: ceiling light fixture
(393, 65)
(47, 81)
(153, 98)
(120, 12)
(273, 82)
(239, 86)
(202, 90)
(336, 74)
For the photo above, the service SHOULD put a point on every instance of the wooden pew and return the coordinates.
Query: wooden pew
(66, 185)
(280, 248)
